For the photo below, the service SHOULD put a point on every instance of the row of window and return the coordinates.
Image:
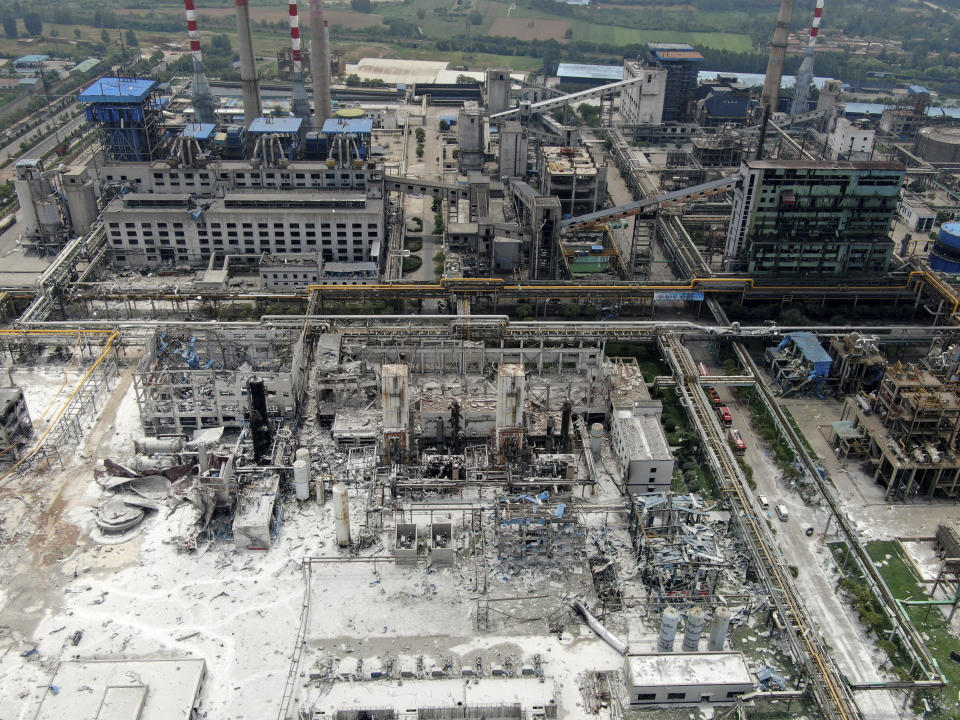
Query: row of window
(184, 256)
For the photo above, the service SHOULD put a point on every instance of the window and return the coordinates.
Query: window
(646, 696)
(676, 696)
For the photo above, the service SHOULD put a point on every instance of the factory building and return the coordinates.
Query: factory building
(639, 444)
(575, 76)
(571, 175)
(655, 678)
(682, 64)
(915, 213)
(797, 216)
(851, 140)
(642, 104)
(723, 101)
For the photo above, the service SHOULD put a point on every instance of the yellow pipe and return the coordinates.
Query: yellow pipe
(56, 419)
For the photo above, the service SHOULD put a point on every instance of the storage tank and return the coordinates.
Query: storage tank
(938, 144)
(945, 256)
(719, 628)
(696, 620)
(668, 629)
(596, 439)
(301, 479)
(150, 446)
(350, 113)
(341, 514)
(81, 199)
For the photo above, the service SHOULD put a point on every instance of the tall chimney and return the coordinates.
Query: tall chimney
(203, 111)
(320, 64)
(778, 51)
(248, 65)
(805, 73)
(299, 103)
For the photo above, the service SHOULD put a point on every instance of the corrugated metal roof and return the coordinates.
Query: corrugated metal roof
(592, 72)
(339, 126)
(276, 125)
(810, 347)
(88, 64)
(200, 131)
(112, 90)
(27, 59)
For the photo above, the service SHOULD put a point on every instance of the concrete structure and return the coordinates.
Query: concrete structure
(571, 175)
(148, 230)
(915, 213)
(642, 104)
(290, 271)
(938, 145)
(15, 423)
(722, 102)
(470, 137)
(202, 98)
(945, 256)
(320, 64)
(686, 678)
(799, 216)
(513, 150)
(770, 95)
(144, 689)
(81, 198)
(249, 78)
(395, 402)
(190, 380)
(851, 141)
(682, 63)
(511, 396)
(499, 83)
(576, 76)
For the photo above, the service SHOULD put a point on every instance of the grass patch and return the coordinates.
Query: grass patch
(932, 626)
(413, 243)
(796, 428)
(411, 263)
(764, 424)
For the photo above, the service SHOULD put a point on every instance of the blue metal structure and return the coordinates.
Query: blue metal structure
(799, 363)
(128, 116)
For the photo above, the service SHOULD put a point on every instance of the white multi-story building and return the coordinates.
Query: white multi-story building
(150, 229)
(850, 141)
(642, 104)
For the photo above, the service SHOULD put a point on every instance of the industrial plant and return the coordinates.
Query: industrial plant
(482, 394)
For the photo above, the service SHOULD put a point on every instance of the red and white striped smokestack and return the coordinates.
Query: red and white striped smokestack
(192, 32)
(815, 28)
(203, 110)
(295, 37)
(248, 65)
(299, 103)
(320, 63)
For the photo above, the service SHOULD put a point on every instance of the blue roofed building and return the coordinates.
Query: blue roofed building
(799, 364)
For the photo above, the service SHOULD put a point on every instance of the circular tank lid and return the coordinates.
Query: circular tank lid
(350, 113)
(952, 227)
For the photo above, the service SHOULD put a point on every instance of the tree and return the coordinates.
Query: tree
(568, 33)
(421, 134)
(467, 80)
(476, 18)
(10, 26)
(132, 39)
(353, 80)
(105, 37)
(421, 13)
(419, 152)
(34, 23)
(220, 45)
(443, 125)
(77, 34)
(361, 6)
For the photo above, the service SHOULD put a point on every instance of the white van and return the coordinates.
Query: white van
(764, 503)
(782, 512)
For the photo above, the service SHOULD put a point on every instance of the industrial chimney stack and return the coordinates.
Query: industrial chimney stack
(299, 104)
(805, 73)
(778, 51)
(248, 65)
(203, 106)
(320, 63)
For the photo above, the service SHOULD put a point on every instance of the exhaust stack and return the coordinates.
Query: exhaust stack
(203, 105)
(248, 65)
(778, 51)
(320, 64)
(299, 104)
(805, 73)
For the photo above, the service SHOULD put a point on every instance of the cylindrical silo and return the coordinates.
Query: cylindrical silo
(696, 619)
(301, 479)
(945, 256)
(596, 439)
(718, 630)
(341, 514)
(81, 199)
(668, 629)
(151, 446)
(938, 144)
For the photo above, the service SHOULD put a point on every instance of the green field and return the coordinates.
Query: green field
(630, 36)
(939, 638)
